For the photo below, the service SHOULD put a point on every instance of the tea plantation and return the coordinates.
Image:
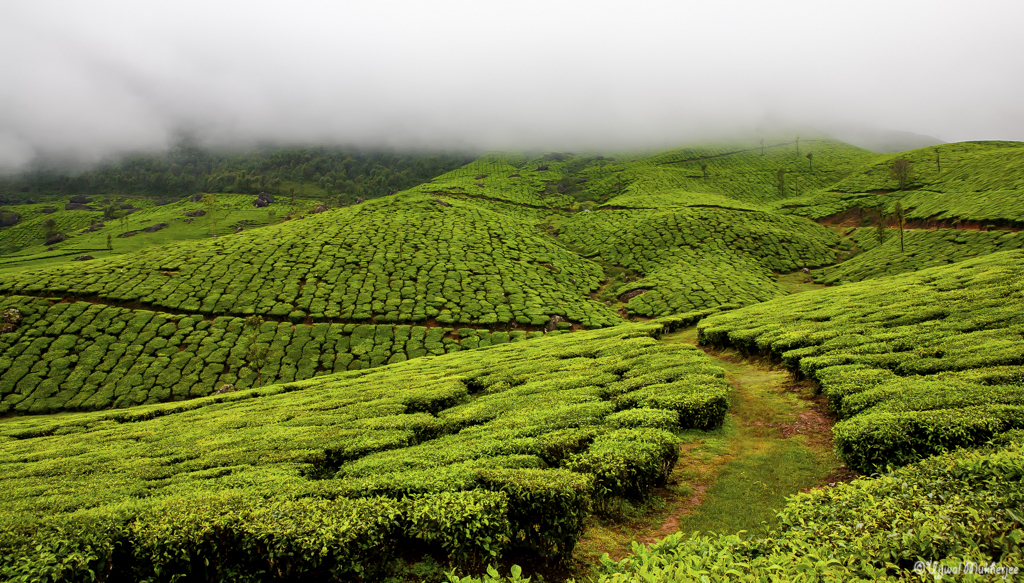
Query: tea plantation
(84, 356)
(977, 182)
(401, 259)
(464, 370)
(503, 450)
(922, 249)
(694, 258)
(914, 365)
(952, 510)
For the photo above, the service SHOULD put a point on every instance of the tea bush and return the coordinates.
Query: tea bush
(468, 455)
(915, 364)
(81, 356)
(949, 510)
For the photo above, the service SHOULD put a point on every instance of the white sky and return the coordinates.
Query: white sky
(86, 80)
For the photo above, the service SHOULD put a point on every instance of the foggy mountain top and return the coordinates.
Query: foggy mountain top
(86, 81)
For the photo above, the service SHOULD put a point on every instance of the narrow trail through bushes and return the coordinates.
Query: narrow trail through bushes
(776, 442)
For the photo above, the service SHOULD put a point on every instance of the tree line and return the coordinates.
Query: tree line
(188, 169)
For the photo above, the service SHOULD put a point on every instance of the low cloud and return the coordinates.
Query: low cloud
(86, 81)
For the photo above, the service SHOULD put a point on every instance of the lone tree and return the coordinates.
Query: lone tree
(810, 160)
(209, 200)
(898, 211)
(256, 357)
(761, 141)
(49, 228)
(938, 161)
(110, 243)
(703, 168)
(780, 181)
(900, 171)
(798, 145)
(880, 225)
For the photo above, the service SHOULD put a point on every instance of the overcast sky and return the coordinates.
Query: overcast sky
(87, 80)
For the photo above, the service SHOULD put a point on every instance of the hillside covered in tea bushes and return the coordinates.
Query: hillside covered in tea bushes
(473, 369)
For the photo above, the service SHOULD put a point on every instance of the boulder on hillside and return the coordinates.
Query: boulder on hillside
(83, 258)
(126, 206)
(163, 201)
(127, 234)
(360, 200)
(225, 389)
(196, 197)
(239, 230)
(188, 221)
(155, 228)
(8, 219)
(319, 208)
(80, 199)
(441, 202)
(77, 206)
(195, 213)
(480, 177)
(92, 228)
(632, 294)
(48, 210)
(56, 239)
(263, 199)
(553, 323)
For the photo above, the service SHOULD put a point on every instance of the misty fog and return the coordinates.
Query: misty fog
(85, 81)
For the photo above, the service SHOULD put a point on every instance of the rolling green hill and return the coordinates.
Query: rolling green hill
(463, 370)
(970, 182)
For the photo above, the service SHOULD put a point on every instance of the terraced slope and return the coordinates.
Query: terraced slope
(973, 182)
(74, 356)
(742, 171)
(921, 249)
(467, 455)
(401, 259)
(87, 230)
(913, 365)
(694, 258)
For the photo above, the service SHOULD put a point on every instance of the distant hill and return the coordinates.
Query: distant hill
(885, 141)
(334, 174)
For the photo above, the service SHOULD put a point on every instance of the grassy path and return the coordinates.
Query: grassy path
(775, 442)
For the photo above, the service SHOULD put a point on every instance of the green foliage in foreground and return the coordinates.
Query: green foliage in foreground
(949, 510)
(401, 259)
(915, 364)
(978, 181)
(467, 456)
(922, 249)
(695, 258)
(81, 356)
